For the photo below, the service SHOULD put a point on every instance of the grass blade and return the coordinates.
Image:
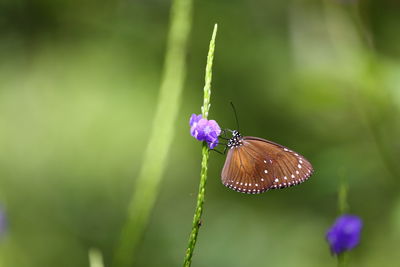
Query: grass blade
(147, 183)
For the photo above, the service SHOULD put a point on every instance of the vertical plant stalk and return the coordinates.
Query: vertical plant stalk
(147, 184)
(363, 31)
(367, 38)
(343, 207)
(95, 258)
(205, 152)
(343, 260)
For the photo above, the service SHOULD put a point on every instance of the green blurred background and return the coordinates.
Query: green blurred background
(79, 82)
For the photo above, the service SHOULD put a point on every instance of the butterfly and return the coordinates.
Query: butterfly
(255, 165)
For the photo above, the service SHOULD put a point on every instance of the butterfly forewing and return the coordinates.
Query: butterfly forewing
(258, 165)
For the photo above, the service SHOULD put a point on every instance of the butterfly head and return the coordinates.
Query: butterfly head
(236, 140)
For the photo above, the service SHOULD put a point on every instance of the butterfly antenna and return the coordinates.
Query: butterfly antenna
(236, 117)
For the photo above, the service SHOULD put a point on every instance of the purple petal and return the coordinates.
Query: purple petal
(194, 119)
(199, 130)
(202, 123)
(193, 131)
(200, 135)
(212, 142)
(214, 125)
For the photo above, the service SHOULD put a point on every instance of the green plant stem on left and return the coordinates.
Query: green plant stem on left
(147, 184)
(205, 154)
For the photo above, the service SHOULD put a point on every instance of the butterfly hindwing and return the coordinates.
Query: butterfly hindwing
(239, 173)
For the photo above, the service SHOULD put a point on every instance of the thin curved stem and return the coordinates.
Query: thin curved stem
(204, 162)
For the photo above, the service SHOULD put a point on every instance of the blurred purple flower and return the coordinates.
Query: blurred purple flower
(204, 130)
(344, 234)
(3, 222)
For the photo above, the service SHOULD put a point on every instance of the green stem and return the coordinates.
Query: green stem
(363, 31)
(343, 206)
(342, 260)
(204, 162)
(342, 195)
(147, 184)
(367, 38)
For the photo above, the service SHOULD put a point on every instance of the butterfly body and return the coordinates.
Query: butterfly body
(255, 165)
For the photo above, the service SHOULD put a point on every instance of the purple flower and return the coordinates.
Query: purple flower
(3, 222)
(344, 234)
(204, 130)
(194, 119)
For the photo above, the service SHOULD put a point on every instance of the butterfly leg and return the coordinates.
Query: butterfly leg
(219, 152)
(222, 153)
(223, 134)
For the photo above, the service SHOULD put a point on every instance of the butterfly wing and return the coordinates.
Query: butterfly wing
(259, 165)
(238, 172)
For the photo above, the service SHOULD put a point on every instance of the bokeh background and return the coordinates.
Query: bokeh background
(79, 82)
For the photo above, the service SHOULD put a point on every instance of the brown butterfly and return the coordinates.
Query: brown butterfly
(254, 165)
